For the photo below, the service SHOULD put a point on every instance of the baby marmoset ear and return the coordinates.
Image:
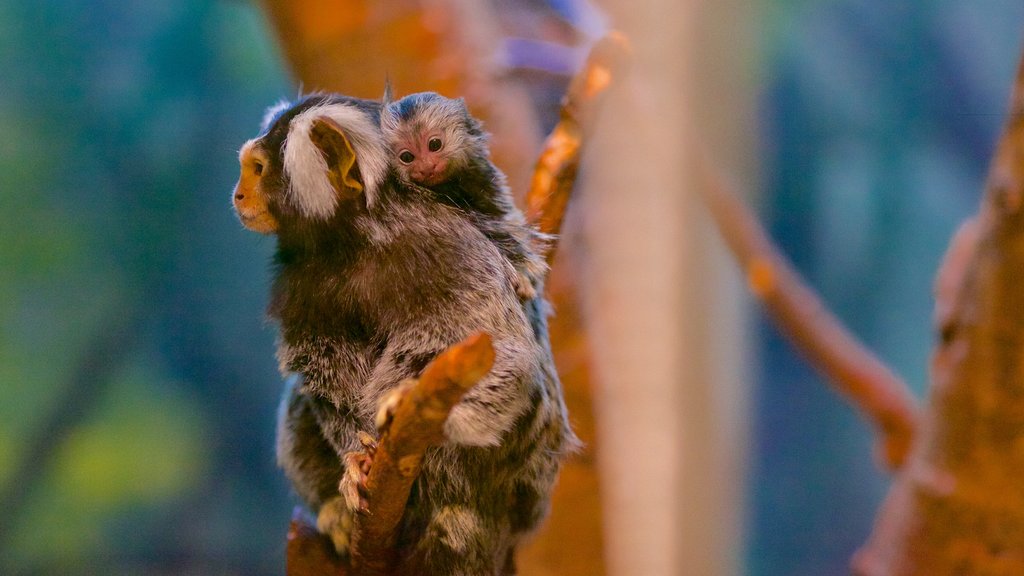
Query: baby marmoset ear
(342, 169)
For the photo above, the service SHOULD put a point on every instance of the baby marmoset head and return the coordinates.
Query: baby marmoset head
(431, 137)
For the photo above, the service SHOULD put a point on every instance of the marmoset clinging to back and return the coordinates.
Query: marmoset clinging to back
(374, 277)
(437, 144)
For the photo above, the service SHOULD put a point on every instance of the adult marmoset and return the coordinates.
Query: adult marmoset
(437, 144)
(373, 278)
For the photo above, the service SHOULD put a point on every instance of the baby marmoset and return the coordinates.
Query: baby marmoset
(374, 277)
(437, 144)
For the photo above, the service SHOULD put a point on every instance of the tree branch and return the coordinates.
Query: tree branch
(881, 396)
(555, 172)
(418, 424)
(958, 507)
(309, 553)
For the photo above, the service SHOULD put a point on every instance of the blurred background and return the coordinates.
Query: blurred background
(138, 386)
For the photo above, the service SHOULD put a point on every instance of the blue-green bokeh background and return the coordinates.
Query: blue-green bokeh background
(125, 276)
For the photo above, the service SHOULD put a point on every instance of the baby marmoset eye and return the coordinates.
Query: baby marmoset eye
(406, 157)
(434, 145)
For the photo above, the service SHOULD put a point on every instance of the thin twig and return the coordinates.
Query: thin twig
(555, 172)
(881, 396)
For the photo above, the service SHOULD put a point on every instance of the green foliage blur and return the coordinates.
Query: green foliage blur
(137, 381)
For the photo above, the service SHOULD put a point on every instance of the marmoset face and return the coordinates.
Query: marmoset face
(429, 137)
(423, 157)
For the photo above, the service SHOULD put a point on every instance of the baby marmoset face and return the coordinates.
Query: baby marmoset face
(431, 137)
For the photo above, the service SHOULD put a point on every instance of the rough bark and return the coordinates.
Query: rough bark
(958, 506)
(417, 424)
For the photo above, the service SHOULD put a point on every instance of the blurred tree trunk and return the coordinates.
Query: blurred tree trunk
(664, 304)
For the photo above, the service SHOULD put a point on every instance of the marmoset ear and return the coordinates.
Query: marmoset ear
(342, 163)
(333, 151)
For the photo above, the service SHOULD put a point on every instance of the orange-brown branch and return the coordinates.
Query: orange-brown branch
(308, 552)
(418, 424)
(958, 507)
(857, 373)
(555, 172)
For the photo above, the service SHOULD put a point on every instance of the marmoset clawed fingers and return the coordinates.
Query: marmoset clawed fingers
(369, 444)
(357, 472)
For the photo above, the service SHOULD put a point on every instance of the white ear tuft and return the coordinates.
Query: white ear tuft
(311, 190)
(272, 113)
(389, 120)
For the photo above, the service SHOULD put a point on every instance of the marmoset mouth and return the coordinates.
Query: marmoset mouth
(434, 180)
(261, 221)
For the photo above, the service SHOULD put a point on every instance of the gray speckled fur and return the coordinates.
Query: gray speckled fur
(365, 299)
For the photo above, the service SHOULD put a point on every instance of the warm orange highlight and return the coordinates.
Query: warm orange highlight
(248, 198)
